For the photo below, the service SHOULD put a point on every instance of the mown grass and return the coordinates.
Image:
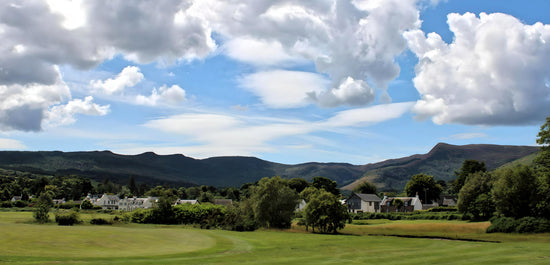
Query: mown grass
(24, 243)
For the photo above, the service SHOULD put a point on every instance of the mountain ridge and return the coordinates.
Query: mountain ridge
(177, 169)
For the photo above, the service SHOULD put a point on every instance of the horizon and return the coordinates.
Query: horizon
(292, 82)
(330, 162)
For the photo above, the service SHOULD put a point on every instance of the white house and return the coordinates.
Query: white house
(107, 202)
(130, 204)
(409, 204)
(180, 201)
(360, 202)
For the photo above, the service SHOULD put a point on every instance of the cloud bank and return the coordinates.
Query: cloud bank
(495, 72)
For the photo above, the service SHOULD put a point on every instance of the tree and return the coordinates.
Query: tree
(274, 202)
(366, 187)
(326, 184)
(515, 192)
(132, 186)
(398, 204)
(475, 196)
(425, 186)
(42, 211)
(542, 161)
(325, 212)
(298, 184)
(468, 167)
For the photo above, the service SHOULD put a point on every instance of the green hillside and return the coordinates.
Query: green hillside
(178, 169)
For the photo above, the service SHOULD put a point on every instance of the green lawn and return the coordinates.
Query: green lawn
(24, 243)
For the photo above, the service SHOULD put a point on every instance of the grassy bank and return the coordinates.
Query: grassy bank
(25, 243)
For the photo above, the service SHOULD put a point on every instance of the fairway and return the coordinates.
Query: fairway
(23, 243)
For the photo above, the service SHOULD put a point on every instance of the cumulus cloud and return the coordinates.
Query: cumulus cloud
(64, 114)
(128, 77)
(495, 72)
(284, 89)
(347, 40)
(173, 95)
(23, 107)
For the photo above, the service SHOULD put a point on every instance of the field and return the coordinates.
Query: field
(22, 242)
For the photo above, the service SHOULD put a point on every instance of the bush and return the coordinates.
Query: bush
(6, 204)
(533, 225)
(67, 218)
(523, 225)
(101, 221)
(86, 205)
(68, 205)
(20, 204)
(443, 209)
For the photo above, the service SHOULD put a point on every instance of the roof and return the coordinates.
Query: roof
(225, 202)
(368, 197)
(186, 201)
(404, 199)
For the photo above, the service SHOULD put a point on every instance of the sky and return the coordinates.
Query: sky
(289, 81)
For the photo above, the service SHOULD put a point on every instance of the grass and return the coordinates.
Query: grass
(24, 243)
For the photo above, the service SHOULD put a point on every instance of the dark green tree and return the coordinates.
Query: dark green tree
(468, 167)
(325, 212)
(274, 202)
(133, 186)
(515, 193)
(398, 204)
(475, 196)
(326, 184)
(298, 184)
(42, 208)
(425, 186)
(366, 187)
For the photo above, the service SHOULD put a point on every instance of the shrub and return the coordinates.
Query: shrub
(67, 218)
(86, 205)
(502, 225)
(20, 204)
(68, 205)
(533, 225)
(101, 221)
(6, 204)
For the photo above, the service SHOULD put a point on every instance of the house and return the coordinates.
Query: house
(180, 201)
(410, 204)
(447, 200)
(224, 202)
(301, 205)
(130, 204)
(360, 202)
(107, 202)
(59, 201)
(16, 198)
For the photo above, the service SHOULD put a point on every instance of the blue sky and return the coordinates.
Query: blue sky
(287, 81)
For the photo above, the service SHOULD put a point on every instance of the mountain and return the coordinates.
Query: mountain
(154, 169)
(441, 162)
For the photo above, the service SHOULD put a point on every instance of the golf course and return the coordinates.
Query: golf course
(365, 242)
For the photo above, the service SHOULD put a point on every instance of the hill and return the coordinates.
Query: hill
(441, 162)
(178, 169)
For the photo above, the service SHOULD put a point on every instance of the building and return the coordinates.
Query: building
(180, 201)
(360, 202)
(107, 202)
(410, 204)
(130, 204)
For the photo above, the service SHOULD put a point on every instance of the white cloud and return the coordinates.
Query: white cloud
(349, 92)
(344, 39)
(10, 144)
(220, 134)
(284, 89)
(467, 136)
(23, 107)
(257, 52)
(128, 77)
(495, 72)
(64, 114)
(173, 95)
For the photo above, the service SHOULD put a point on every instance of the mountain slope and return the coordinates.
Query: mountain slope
(441, 162)
(155, 169)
